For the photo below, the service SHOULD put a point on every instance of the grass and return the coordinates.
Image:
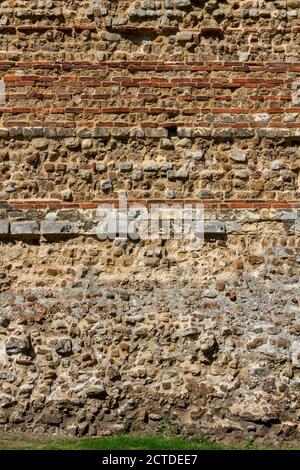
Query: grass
(122, 442)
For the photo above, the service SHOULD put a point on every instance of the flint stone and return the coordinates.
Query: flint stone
(100, 56)
(183, 132)
(120, 133)
(65, 132)
(137, 133)
(274, 133)
(52, 417)
(222, 133)
(101, 132)
(202, 132)
(256, 412)
(17, 345)
(40, 144)
(238, 155)
(96, 391)
(182, 3)
(184, 36)
(4, 132)
(297, 226)
(244, 133)
(185, 333)
(64, 347)
(196, 154)
(106, 186)
(84, 133)
(126, 167)
(4, 322)
(209, 345)
(101, 167)
(72, 143)
(166, 144)
(10, 186)
(156, 133)
(182, 174)
(111, 37)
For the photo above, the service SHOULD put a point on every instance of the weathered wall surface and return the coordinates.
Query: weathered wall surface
(174, 100)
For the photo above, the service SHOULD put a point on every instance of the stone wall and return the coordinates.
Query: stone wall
(173, 101)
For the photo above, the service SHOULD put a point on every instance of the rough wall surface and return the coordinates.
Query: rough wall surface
(171, 100)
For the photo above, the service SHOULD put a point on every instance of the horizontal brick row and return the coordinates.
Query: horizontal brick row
(222, 82)
(140, 95)
(148, 65)
(40, 28)
(217, 98)
(151, 110)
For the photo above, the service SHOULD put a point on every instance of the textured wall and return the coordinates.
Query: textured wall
(174, 100)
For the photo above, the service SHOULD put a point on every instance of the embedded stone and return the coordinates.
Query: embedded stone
(126, 167)
(106, 186)
(110, 37)
(195, 154)
(40, 144)
(201, 132)
(156, 133)
(51, 417)
(208, 345)
(255, 411)
(120, 133)
(137, 133)
(183, 132)
(96, 391)
(11, 186)
(4, 321)
(64, 347)
(238, 155)
(166, 144)
(184, 36)
(101, 132)
(18, 345)
(182, 3)
(72, 143)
